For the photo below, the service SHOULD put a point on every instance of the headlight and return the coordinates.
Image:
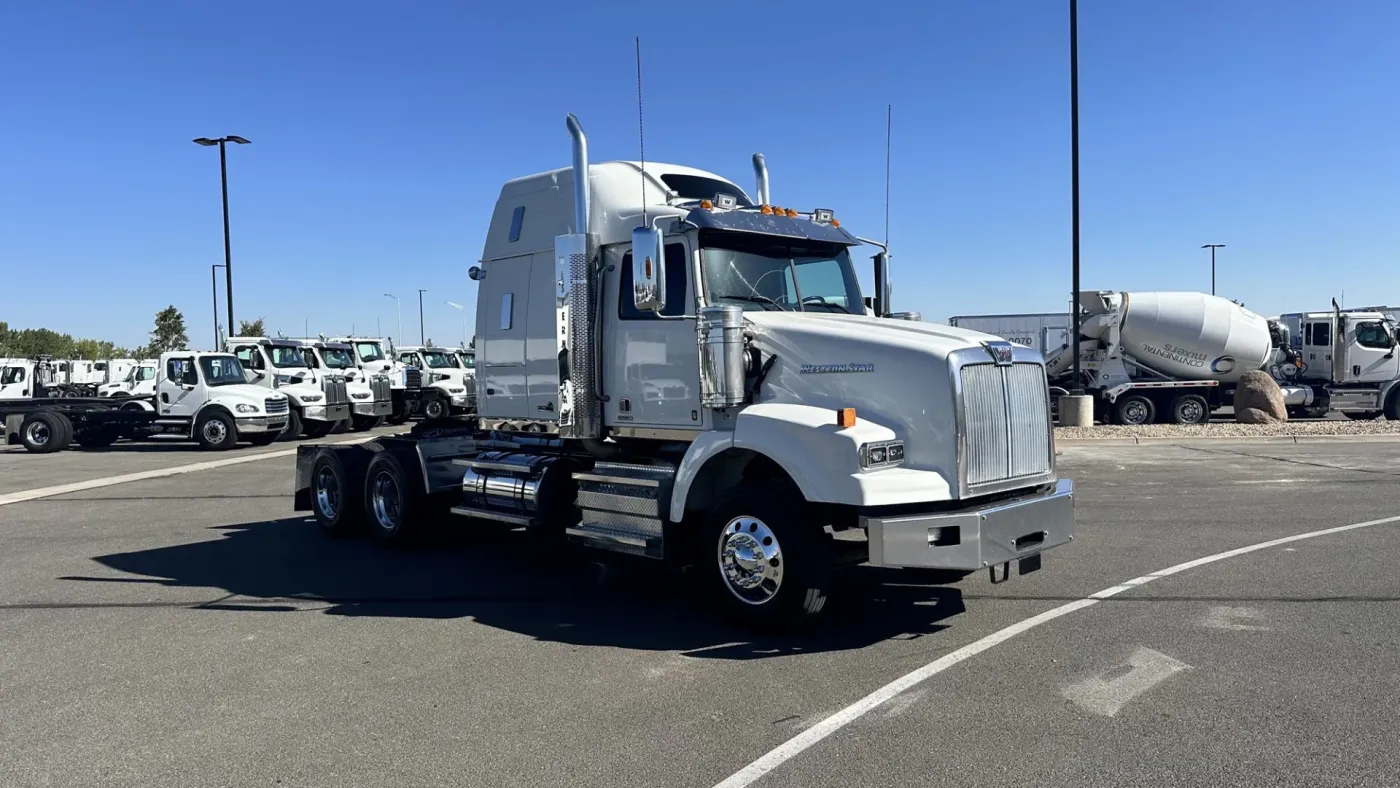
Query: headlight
(885, 454)
(361, 395)
(456, 391)
(246, 408)
(311, 398)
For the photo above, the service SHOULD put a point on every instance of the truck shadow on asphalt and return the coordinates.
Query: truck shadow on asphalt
(507, 580)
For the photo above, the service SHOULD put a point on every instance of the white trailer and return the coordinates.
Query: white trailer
(705, 388)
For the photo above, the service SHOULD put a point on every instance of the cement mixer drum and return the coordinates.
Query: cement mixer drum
(1194, 336)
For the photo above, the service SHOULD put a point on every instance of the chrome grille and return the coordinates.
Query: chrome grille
(412, 377)
(336, 393)
(1006, 423)
(275, 407)
(381, 387)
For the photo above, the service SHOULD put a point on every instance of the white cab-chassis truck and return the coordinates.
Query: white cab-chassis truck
(1346, 361)
(371, 395)
(703, 387)
(319, 401)
(405, 382)
(447, 391)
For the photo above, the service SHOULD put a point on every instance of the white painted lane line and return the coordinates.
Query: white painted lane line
(1106, 695)
(91, 484)
(799, 743)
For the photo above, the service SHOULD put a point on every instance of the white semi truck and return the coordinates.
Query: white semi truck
(371, 395)
(670, 369)
(444, 377)
(319, 401)
(1346, 361)
(405, 382)
(1164, 356)
(139, 380)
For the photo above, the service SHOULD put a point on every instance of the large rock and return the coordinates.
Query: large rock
(1259, 400)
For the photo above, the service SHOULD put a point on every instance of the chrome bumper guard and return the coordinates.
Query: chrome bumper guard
(375, 408)
(253, 424)
(977, 537)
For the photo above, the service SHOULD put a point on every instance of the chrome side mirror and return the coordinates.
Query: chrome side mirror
(648, 270)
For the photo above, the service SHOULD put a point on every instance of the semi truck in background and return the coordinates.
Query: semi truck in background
(139, 380)
(319, 400)
(405, 382)
(793, 432)
(1346, 361)
(371, 395)
(1046, 332)
(446, 392)
(1171, 357)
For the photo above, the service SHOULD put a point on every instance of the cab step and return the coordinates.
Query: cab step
(623, 507)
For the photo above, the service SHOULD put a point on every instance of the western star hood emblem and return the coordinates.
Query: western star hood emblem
(806, 368)
(1001, 352)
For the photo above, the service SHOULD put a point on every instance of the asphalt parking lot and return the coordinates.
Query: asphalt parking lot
(191, 630)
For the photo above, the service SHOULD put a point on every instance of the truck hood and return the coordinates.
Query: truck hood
(243, 393)
(895, 373)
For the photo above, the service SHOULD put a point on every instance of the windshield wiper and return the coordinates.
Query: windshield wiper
(843, 309)
(757, 299)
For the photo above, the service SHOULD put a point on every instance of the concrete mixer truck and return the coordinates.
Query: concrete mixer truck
(1170, 357)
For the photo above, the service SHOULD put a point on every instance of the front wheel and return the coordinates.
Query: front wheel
(769, 563)
(216, 431)
(293, 428)
(362, 423)
(436, 408)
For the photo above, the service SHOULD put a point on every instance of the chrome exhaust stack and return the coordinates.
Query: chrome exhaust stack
(578, 409)
(760, 172)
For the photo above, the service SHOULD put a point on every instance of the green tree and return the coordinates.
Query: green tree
(472, 345)
(168, 334)
(251, 328)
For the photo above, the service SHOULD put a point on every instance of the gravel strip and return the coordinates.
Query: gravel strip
(1376, 427)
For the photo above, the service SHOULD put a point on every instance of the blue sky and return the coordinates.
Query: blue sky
(382, 132)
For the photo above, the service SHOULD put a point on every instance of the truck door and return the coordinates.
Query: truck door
(144, 380)
(178, 393)
(14, 382)
(501, 325)
(254, 365)
(1371, 356)
(1317, 349)
(652, 367)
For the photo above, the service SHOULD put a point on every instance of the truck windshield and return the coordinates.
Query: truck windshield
(283, 357)
(437, 360)
(763, 272)
(144, 373)
(337, 358)
(468, 360)
(221, 370)
(369, 351)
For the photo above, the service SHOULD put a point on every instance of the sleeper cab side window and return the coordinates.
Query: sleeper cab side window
(677, 275)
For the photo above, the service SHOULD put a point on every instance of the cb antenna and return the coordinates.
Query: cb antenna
(889, 125)
(641, 137)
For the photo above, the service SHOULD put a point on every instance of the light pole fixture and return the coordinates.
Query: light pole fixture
(1212, 248)
(421, 340)
(398, 313)
(223, 180)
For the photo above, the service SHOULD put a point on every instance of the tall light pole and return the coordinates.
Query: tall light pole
(463, 310)
(214, 287)
(1077, 387)
(1212, 248)
(223, 180)
(398, 313)
(421, 341)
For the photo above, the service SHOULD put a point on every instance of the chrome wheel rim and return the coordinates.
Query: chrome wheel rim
(38, 433)
(434, 410)
(215, 431)
(750, 560)
(327, 493)
(386, 501)
(1190, 412)
(1135, 412)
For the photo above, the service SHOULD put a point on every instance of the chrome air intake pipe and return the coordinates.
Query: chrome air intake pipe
(760, 172)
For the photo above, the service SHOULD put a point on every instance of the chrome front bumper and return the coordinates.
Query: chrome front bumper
(326, 412)
(976, 537)
(378, 408)
(254, 424)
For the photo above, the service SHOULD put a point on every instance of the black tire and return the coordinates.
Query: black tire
(318, 429)
(215, 430)
(337, 498)
(341, 427)
(362, 423)
(43, 432)
(293, 428)
(96, 437)
(1134, 409)
(436, 408)
(394, 503)
(264, 438)
(1392, 406)
(1190, 409)
(792, 579)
